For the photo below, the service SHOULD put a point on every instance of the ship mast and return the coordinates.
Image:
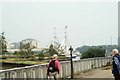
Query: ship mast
(55, 38)
(64, 45)
(66, 40)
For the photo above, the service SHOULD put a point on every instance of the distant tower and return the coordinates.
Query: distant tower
(119, 25)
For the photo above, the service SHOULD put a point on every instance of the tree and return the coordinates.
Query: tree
(3, 44)
(41, 55)
(17, 54)
(108, 48)
(52, 51)
(90, 53)
(26, 49)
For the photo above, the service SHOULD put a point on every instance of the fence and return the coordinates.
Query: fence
(40, 71)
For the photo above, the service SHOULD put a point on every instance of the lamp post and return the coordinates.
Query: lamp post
(71, 49)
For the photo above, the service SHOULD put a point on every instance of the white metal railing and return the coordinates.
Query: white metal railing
(40, 71)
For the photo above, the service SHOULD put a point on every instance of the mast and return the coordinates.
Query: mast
(65, 39)
(64, 45)
(55, 38)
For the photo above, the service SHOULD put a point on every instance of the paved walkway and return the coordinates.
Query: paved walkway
(97, 73)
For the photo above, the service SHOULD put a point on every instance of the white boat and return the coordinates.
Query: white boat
(73, 56)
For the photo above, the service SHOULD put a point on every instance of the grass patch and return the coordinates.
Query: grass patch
(22, 61)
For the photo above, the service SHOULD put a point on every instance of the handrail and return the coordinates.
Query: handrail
(40, 71)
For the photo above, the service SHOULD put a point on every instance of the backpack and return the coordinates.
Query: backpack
(118, 56)
(51, 67)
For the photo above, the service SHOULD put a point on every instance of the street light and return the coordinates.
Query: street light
(71, 49)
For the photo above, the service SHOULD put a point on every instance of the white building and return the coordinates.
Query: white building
(15, 45)
(33, 42)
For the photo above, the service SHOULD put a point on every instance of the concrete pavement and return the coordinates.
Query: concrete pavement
(97, 73)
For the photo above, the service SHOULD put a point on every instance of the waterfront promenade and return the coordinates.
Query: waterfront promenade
(96, 73)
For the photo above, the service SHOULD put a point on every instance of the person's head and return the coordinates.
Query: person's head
(55, 56)
(114, 51)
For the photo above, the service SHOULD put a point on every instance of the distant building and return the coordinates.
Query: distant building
(119, 25)
(76, 52)
(8, 44)
(15, 45)
(12, 50)
(33, 42)
(12, 47)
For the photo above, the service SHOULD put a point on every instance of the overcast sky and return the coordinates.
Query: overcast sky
(89, 23)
